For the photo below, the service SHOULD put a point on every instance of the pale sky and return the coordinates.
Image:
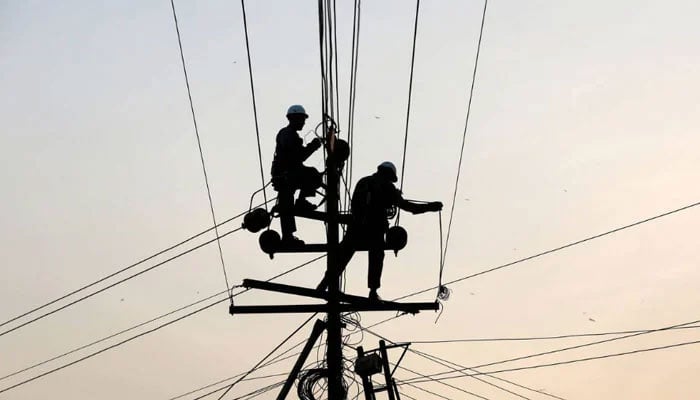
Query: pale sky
(584, 119)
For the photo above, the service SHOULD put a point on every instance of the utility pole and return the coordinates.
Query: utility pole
(336, 301)
(334, 352)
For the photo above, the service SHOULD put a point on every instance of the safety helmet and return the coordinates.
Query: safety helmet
(297, 109)
(389, 167)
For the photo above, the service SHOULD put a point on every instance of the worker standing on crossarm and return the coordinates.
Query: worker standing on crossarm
(374, 202)
(289, 173)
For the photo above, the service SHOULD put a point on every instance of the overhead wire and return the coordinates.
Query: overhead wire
(408, 106)
(448, 363)
(535, 338)
(464, 139)
(153, 329)
(566, 362)
(257, 365)
(121, 270)
(556, 249)
(355, 53)
(255, 108)
(41, 375)
(111, 285)
(579, 346)
(425, 355)
(199, 146)
(442, 383)
(400, 382)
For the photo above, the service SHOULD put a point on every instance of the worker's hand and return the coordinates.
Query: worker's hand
(315, 144)
(435, 206)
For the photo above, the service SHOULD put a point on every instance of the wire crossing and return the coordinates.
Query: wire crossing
(199, 146)
(87, 296)
(150, 330)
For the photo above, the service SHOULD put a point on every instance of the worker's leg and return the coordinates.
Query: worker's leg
(346, 251)
(285, 200)
(375, 258)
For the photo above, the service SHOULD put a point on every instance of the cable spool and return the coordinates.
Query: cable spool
(256, 220)
(396, 238)
(269, 241)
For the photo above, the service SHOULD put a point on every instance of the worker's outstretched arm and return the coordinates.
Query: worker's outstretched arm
(418, 208)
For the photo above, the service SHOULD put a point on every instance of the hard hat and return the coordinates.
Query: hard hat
(297, 109)
(388, 165)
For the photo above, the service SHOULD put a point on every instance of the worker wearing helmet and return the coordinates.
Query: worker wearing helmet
(374, 202)
(289, 173)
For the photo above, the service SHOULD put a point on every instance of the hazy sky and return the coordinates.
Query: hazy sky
(584, 119)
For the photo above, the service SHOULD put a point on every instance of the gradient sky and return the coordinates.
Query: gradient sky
(584, 119)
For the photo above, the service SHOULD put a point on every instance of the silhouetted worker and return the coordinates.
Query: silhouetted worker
(289, 173)
(373, 202)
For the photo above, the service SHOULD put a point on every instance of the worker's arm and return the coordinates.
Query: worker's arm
(309, 149)
(418, 208)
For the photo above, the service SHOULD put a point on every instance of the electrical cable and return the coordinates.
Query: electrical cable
(355, 50)
(425, 355)
(408, 107)
(199, 146)
(448, 363)
(578, 346)
(75, 350)
(400, 382)
(442, 383)
(154, 329)
(566, 362)
(256, 366)
(255, 108)
(556, 249)
(464, 139)
(533, 338)
(124, 269)
(111, 285)
(3, 390)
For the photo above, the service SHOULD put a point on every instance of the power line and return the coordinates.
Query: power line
(554, 250)
(111, 346)
(442, 383)
(255, 108)
(154, 329)
(442, 362)
(256, 366)
(625, 353)
(464, 136)
(399, 382)
(534, 338)
(77, 349)
(124, 269)
(150, 321)
(408, 106)
(447, 363)
(111, 285)
(577, 346)
(199, 146)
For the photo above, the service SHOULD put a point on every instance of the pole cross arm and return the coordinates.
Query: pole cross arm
(411, 308)
(346, 300)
